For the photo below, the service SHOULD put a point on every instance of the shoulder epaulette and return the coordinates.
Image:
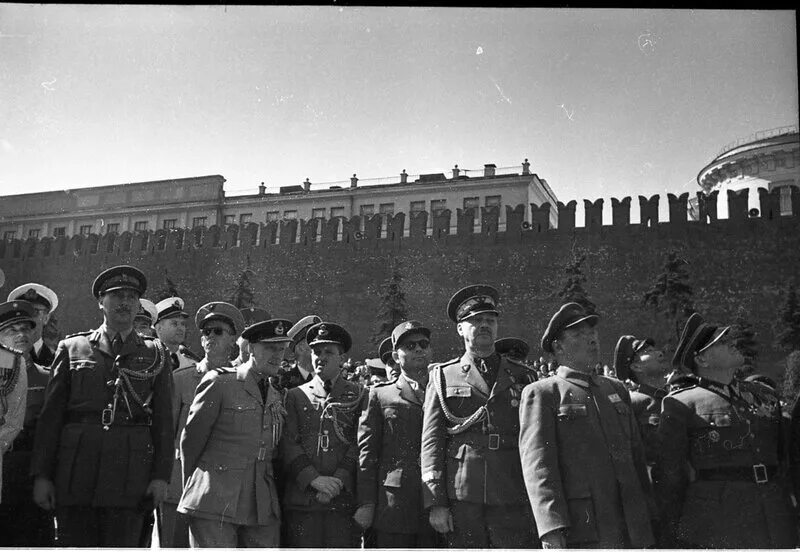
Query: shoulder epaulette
(675, 390)
(225, 370)
(515, 362)
(184, 368)
(446, 362)
(188, 353)
(383, 383)
(78, 334)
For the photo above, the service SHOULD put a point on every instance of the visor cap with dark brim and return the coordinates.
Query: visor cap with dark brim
(697, 336)
(268, 331)
(568, 316)
(170, 308)
(219, 310)
(328, 332)
(35, 293)
(385, 351)
(252, 315)
(473, 300)
(298, 331)
(12, 312)
(514, 347)
(119, 277)
(624, 353)
(405, 328)
(147, 310)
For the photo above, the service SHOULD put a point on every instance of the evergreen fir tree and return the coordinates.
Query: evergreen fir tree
(167, 289)
(744, 339)
(671, 294)
(573, 291)
(243, 296)
(787, 328)
(393, 308)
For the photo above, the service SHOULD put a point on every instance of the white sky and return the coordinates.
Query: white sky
(603, 102)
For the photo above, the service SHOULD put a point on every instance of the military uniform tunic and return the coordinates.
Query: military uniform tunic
(389, 473)
(731, 440)
(583, 461)
(479, 466)
(646, 405)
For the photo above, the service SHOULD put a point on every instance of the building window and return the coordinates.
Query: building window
(86, 229)
(290, 215)
(337, 212)
(169, 223)
(318, 213)
(230, 219)
(59, 231)
(493, 201)
(417, 206)
(273, 216)
(33, 233)
(387, 208)
(113, 227)
(438, 205)
(367, 210)
(473, 203)
(9, 235)
(140, 225)
(199, 221)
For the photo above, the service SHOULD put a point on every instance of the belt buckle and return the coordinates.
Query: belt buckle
(324, 442)
(107, 417)
(494, 441)
(760, 473)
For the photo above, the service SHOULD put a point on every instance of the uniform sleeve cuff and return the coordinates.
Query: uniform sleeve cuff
(306, 476)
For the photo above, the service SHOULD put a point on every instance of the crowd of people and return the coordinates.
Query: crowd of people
(271, 436)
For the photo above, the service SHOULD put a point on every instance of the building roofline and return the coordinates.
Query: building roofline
(107, 187)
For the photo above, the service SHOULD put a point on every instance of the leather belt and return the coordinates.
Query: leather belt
(96, 418)
(491, 441)
(758, 473)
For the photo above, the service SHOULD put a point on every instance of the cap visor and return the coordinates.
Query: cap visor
(470, 315)
(718, 334)
(7, 323)
(591, 319)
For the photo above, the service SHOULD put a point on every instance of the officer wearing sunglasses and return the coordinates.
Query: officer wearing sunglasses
(389, 483)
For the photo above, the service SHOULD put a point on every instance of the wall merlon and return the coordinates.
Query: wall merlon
(621, 211)
(566, 216)
(648, 210)
(540, 217)
(593, 212)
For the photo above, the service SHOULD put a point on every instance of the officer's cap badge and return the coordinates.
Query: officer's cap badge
(323, 331)
(279, 329)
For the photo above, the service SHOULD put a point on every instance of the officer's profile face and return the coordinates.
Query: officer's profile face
(18, 336)
(327, 360)
(650, 362)
(414, 352)
(120, 307)
(217, 339)
(479, 331)
(719, 361)
(578, 347)
(142, 327)
(42, 317)
(302, 353)
(172, 331)
(268, 356)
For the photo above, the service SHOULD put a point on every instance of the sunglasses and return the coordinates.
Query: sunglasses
(412, 345)
(215, 331)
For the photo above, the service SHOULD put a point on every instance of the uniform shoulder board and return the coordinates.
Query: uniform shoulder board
(384, 383)
(515, 362)
(188, 353)
(184, 368)
(680, 387)
(445, 363)
(225, 370)
(79, 334)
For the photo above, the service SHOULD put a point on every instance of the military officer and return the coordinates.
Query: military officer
(219, 324)
(18, 509)
(639, 362)
(45, 301)
(302, 371)
(16, 326)
(470, 459)
(320, 449)
(513, 347)
(730, 435)
(144, 319)
(386, 354)
(170, 324)
(582, 456)
(389, 480)
(234, 426)
(103, 449)
(251, 315)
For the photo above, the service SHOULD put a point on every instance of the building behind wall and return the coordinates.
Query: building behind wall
(201, 201)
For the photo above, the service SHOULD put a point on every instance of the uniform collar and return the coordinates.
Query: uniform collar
(37, 347)
(654, 392)
(581, 379)
(403, 383)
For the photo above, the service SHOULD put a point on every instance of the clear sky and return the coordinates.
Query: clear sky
(604, 103)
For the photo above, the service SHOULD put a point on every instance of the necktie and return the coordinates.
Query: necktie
(489, 375)
(116, 344)
(263, 385)
(175, 361)
(327, 386)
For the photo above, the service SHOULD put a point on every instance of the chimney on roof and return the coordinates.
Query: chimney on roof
(526, 167)
(354, 181)
(403, 177)
(262, 189)
(307, 185)
(456, 171)
(488, 169)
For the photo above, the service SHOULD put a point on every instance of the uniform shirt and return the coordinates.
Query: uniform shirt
(42, 354)
(583, 461)
(227, 448)
(716, 434)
